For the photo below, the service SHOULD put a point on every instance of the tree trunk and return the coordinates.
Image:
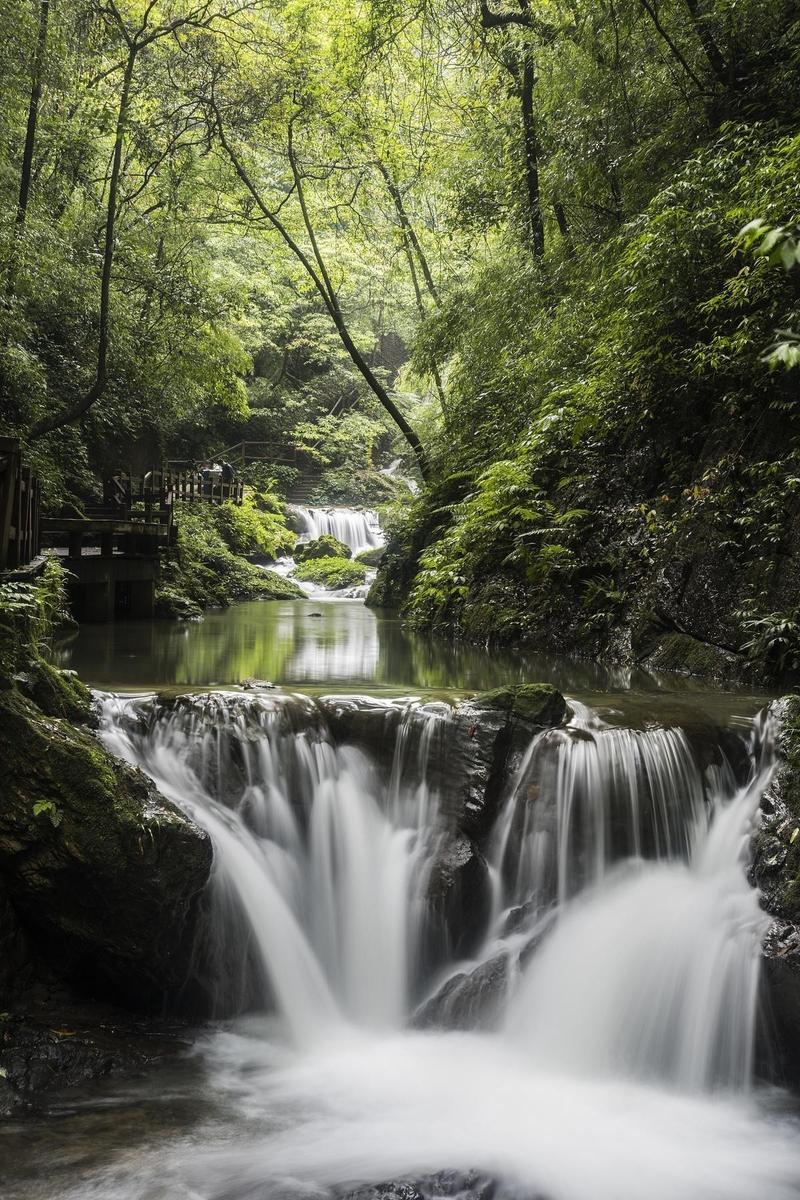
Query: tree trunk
(26, 171)
(652, 12)
(531, 151)
(409, 231)
(322, 282)
(710, 47)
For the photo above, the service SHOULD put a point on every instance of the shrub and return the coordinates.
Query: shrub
(334, 573)
(256, 526)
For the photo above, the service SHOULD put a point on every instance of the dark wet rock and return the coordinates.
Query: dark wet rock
(476, 745)
(372, 725)
(64, 1046)
(443, 1185)
(776, 861)
(101, 872)
(385, 1191)
(776, 872)
(537, 704)
(468, 1000)
(484, 743)
(459, 895)
(781, 989)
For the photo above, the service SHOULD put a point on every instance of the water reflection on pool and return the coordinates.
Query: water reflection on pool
(333, 644)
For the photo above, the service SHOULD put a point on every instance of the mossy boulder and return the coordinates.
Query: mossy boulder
(326, 546)
(101, 872)
(372, 557)
(278, 587)
(333, 573)
(535, 703)
(56, 693)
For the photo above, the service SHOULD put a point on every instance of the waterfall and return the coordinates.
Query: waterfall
(316, 859)
(622, 1062)
(358, 528)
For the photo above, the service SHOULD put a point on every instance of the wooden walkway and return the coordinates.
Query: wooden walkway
(113, 549)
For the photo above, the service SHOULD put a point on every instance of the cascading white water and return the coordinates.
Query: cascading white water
(622, 1063)
(338, 855)
(358, 528)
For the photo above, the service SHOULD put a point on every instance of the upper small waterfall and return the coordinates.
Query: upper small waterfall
(358, 528)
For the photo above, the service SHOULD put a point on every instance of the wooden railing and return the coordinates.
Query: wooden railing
(20, 507)
(150, 495)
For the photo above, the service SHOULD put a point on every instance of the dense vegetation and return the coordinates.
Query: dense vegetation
(544, 252)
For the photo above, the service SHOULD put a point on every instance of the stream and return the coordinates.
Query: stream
(618, 1057)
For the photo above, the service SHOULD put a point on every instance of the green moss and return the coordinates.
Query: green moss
(326, 546)
(278, 587)
(332, 573)
(371, 557)
(536, 703)
(679, 652)
(57, 693)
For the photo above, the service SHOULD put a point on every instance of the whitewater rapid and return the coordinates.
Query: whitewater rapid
(622, 1062)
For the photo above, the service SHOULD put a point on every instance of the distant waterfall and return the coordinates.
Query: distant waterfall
(358, 528)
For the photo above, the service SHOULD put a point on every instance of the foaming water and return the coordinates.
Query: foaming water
(317, 862)
(621, 1066)
(358, 528)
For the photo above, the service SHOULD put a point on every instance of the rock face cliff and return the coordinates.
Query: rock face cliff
(776, 871)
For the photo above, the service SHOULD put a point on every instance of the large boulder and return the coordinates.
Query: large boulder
(326, 546)
(100, 874)
(483, 744)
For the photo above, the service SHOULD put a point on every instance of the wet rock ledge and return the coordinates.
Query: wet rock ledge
(100, 879)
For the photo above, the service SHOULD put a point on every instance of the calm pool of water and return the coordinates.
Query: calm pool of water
(340, 645)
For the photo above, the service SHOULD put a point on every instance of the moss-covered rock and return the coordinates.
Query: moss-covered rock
(278, 587)
(102, 873)
(372, 557)
(535, 703)
(326, 546)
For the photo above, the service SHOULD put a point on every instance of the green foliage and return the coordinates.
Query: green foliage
(333, 573)
(774, 641)
(627, 427)
(780, 246)
(206, 573)
(256, 526)
(29, 613)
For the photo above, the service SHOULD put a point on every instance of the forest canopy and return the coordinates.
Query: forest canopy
(544, 251)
